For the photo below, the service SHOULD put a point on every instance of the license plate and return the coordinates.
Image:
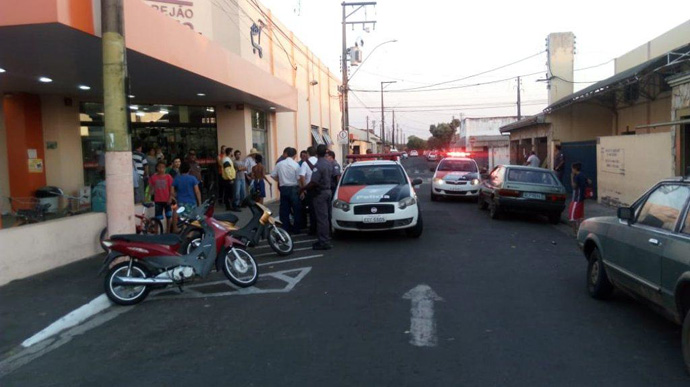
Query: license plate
(374, 219)
(531, 195)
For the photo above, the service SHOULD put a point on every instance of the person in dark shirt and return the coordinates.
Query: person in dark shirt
(576, 211)
(186, 189)
(559, 163)
(320, 185)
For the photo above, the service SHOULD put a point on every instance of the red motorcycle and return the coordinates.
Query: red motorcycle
(153, 261)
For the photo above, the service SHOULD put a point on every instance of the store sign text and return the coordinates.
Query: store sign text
(182, 11)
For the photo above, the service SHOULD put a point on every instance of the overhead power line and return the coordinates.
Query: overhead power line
(473, 75)
(448, 88)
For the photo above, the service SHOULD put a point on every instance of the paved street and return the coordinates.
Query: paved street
(514, 311)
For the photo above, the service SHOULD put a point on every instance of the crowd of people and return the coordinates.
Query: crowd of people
(306, 185)
(306, 189)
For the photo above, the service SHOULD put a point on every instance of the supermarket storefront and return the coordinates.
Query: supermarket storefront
(188, 91)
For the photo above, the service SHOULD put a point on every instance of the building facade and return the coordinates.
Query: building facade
(202, 74)
(482, 137)
(647, 96)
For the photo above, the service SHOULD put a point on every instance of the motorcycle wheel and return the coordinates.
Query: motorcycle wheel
(103, 236)
(154, 227)
(240, 268)
(193, 240)
(280, 241)
(126, 294)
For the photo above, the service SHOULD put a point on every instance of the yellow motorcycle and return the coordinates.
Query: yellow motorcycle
(261, 226)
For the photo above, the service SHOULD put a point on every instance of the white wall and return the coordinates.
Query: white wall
(233, 129)
(64, 165)
(35, 248)
(626, 167)
(486, 126)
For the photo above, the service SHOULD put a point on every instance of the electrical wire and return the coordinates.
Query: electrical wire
(448, 88)
(474, 75)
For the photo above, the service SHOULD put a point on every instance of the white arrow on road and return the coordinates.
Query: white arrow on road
(422, 323)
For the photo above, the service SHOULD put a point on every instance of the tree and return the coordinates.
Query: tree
(442, 134)
(434, 143)
(414, 142)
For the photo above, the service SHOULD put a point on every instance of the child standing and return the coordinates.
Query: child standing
(576, 211)
(259, 175)
(161, 184)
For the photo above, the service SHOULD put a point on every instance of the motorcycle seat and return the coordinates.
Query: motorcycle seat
(162, 239)
(227, 217)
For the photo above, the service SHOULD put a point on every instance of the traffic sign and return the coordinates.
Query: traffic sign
(342, 138)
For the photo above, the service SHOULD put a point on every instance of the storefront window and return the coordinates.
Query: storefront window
(326, 136)
(172, 129)
(260, 134)
(316, 139)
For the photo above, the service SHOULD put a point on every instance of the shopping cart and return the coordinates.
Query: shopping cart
(28, 210)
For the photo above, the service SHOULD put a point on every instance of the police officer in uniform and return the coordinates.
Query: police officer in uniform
(320, 186)
(337, 172)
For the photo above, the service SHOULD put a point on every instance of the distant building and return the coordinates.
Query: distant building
(482, 137)
(629, 130)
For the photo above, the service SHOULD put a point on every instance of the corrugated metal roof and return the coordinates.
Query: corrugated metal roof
(621, 79)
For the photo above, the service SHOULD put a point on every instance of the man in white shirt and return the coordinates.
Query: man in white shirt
(305, 173)
(286, 173)
(533, 160)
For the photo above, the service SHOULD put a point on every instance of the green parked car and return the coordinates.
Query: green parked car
(522, 189)
(645, 252)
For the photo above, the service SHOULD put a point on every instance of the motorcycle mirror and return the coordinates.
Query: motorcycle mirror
(180, 210)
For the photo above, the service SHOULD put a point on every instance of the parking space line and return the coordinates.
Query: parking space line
(273, 252)
(71, 319)
(291, 260)
(295, 242)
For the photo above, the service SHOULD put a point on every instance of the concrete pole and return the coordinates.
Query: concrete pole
(118, 156)
(346, 116)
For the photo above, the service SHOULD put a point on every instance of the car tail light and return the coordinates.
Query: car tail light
(557, 198)
(509, 192)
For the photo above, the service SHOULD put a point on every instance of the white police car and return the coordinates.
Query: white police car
(376, 195)
(456, 177)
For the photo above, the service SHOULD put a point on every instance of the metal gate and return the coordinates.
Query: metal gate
(584, 152)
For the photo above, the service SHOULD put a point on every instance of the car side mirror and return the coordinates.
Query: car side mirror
(625, 213)
(417, 182)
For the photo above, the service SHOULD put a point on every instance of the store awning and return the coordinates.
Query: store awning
(167, 63)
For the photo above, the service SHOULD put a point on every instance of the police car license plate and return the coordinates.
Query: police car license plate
(532, 195)
(374, 219)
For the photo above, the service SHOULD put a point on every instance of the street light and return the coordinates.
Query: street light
(365, 59)
(383, 120)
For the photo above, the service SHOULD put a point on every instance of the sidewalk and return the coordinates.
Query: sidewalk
(30, 304)
(592, 209)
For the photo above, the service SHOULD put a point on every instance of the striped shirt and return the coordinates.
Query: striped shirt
(139, 162)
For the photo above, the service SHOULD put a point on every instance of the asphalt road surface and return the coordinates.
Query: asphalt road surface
(507, 307)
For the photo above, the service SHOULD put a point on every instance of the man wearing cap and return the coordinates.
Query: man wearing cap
(320, 185)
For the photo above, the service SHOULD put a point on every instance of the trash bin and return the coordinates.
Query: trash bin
(49, 195)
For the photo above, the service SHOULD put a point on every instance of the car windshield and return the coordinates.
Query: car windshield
(531, 177)
(457, 165)
(374, 175)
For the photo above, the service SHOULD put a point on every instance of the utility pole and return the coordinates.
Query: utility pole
(393, 130)
(383, 118)
(346, 117)
(118, 155)
(518, 99)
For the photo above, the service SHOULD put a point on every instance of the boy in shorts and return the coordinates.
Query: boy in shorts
(161, 184)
